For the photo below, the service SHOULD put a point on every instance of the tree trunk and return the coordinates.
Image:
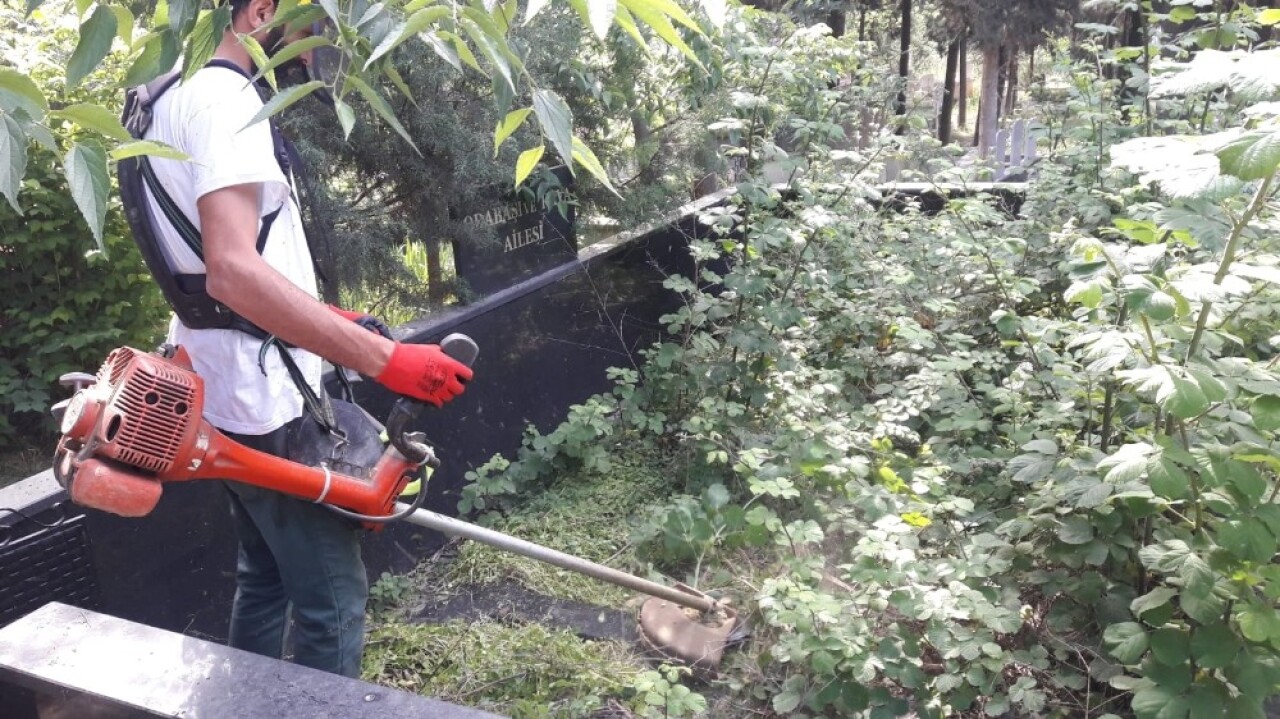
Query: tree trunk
(904, 62)
(963, 119)
(862, 23)
(1002, 78)
(1011, 74)
(989, 99)
(948, 92)
(435, 273)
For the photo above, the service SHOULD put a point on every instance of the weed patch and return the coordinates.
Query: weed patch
(525, 671)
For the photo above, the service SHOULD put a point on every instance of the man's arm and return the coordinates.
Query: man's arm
(238, 277)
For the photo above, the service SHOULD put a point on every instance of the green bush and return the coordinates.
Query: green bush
(65, 304)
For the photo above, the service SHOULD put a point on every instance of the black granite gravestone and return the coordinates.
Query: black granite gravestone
(512, 239)
(63, 662)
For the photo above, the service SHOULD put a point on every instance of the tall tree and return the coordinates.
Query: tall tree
(904, 60)
(963, 95)
(948, 92)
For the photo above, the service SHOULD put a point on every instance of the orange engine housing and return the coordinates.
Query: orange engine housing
(140, 425)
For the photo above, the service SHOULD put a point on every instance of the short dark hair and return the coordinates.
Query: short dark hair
(238, 5)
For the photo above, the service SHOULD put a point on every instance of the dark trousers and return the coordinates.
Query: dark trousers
(296, 558)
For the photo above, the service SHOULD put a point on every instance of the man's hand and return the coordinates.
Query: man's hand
(369, 322)
(424, 372)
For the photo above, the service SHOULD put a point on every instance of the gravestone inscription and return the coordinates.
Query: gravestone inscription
(512, 239)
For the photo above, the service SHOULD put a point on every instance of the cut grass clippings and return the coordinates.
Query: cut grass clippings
(587, 515)
(525, 671)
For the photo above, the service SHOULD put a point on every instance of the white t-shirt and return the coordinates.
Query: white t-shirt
(205, 117)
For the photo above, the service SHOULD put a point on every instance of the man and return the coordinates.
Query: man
(292, 553)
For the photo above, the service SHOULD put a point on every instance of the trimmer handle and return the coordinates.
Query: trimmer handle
(461, 348)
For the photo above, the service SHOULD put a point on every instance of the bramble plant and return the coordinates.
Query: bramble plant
(977, 463)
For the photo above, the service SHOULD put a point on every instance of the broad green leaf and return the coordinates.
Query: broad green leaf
(41, 134)
(1157, 702)
(583, 155)
(182, 13)
(600, 14)
(1213, 388)
(464, 52)
(527, 161)
(82, 7)
(1186, 400)
(1196, 575)
(295, 18)
(1159, 306)
(331, 9)
(32, 6)
(1252, 156)
(260, 59)
(1203, 608)
(1214, 646)
(380, 106)
(647, 13)
(505, 14)
(490, 50)
(147, 147)
(85, 166)
(369, 16)
(96, 35)
(158, 56)
(95, 118)
(291, 51)
(416, 23)
(1182, 13)
(17, 91)
(1259, 623)
(1166, 478)
(445, 50)
(1076, 530)
(394, 76)
(1170, 646)
(670, 9)
(346, 117)
(628, 24)
(284, 99)
(124, 24)
(1207, 702)
(1127, 464)
(1266, 413)
(1248, 539)
(509, 124)
(556, 121)
(1154, 599)
(1126, 641)
(204, 39)
(1270, 16)
(13, 160)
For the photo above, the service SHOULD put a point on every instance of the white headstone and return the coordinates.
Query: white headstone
(1018, 144)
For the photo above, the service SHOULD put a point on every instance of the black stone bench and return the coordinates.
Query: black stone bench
(62, 662)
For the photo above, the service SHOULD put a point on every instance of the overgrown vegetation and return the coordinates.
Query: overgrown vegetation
(973, 463)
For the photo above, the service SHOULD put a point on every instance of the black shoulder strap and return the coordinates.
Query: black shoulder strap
(139, 118)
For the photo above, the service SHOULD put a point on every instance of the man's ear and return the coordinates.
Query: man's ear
(260, 12)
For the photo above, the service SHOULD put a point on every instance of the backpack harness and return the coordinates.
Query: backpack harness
(186, 293)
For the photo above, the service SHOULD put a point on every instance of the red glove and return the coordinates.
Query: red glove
(424, 372)
(369, 322)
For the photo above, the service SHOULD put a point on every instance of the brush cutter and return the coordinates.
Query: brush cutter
(139, 425)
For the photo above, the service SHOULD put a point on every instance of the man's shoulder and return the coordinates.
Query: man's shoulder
(218, 88)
